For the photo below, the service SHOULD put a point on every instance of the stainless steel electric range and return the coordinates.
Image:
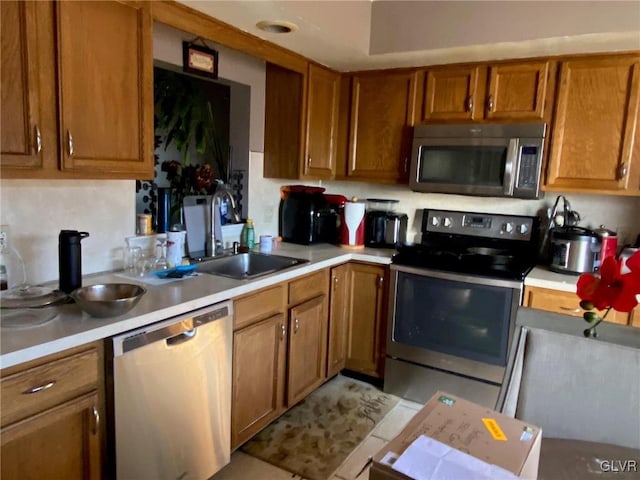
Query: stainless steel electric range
(453, 301)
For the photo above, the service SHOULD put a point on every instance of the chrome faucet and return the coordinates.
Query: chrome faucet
(215, 243)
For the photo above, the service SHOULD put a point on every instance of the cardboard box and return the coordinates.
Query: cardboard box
(463, 426)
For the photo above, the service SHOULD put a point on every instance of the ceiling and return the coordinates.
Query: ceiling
(363, 34)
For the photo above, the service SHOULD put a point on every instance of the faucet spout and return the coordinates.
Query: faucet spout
(215, 243)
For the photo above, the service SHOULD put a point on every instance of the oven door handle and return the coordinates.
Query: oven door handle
(458, 277)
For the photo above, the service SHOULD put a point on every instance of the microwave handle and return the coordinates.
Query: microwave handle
(511, 166)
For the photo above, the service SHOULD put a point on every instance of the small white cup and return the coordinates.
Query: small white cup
(266, 243)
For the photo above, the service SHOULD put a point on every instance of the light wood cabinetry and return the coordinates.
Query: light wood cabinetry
(366, 314)
(501, 92)
(338, 319)
(594, 145)
(279, 351)
(51, 416)
(382, 112)
(567, 303)
(259, 362)
(81, 86)
(301, 114)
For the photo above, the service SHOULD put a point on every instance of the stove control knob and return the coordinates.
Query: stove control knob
(447, 222)
(507, 227)
(523, 229)
(435, 221)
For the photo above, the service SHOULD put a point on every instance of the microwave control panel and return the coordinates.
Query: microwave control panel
(529, 167)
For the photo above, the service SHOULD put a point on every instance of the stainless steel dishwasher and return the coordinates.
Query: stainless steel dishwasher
(172, 396)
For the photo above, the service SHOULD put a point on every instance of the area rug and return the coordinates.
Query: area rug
(317, 435)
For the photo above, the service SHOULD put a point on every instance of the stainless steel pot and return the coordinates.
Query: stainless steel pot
(574, 250)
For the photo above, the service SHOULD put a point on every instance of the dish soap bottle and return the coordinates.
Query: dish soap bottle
(248, 235)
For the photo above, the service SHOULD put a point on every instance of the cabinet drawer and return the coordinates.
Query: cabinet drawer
(565, 302)
(258, 306)
(45, 386)
(308, 287)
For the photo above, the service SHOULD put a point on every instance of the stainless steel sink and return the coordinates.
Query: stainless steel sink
(248, 265)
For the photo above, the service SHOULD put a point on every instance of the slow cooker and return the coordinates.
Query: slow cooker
(574, 250)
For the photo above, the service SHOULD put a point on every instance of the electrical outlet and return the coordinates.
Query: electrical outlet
(267, 213)
(623, 235)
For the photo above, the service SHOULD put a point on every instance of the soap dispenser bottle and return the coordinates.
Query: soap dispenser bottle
(70, 259)
(248, 234)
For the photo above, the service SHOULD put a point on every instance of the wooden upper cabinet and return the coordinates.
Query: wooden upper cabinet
(77, 77)
(301, 114)
(322, 117)
(382, 114)
(517, 91)
(594, 146)
(510, 91)
(105, 84)
(28, 122)
(451, 94)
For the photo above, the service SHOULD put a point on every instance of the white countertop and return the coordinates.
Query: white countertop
(545, 278)
(72, 327)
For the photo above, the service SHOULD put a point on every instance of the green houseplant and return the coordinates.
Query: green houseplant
(184, 117)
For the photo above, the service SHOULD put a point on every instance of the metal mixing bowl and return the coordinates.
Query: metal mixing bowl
(108, 299)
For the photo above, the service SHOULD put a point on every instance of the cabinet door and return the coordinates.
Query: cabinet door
(258, 377)
(283, 122)
(517, 91)
(382, 113)
(105, 88)
(452, 93)
(322, 117)
(63, 442)
(565, 302)
(307, 348)
(595, 126)
(365, 350)
(28, 107)
(338, 319)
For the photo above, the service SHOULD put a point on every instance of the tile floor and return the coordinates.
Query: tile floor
(246, 467)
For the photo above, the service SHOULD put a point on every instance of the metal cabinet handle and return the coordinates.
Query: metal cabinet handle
(38, 140)
(380, 281)
(39, 388)
(296, 325)
(490, 103)
(70, 142)
(406, 165)
(469, 103)
(622, 171)
(283, 331)
(96, 419)
(309, 162)
(569, 309)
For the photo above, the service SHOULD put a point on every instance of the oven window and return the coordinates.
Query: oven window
(463, 165)
(457, 318)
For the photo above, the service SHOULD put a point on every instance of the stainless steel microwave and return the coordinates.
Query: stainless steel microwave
(485, 160)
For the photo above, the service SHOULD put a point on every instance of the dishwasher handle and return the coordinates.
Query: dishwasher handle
(173, 331)
(181, 337)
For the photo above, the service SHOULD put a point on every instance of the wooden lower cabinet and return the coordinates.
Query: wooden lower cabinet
(258, 377)
(568, 303)
(307, 348)
(52, 417)
(338, 319)
(278, 357)
(366, 319)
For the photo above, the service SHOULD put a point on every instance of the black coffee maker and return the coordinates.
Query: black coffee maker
(306, 216)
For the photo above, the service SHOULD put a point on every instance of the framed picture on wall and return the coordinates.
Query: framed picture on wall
(199, 59)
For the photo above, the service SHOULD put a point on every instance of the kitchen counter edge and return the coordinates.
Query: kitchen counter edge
(74, 328)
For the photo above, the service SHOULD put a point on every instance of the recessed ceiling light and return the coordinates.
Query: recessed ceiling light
(277, 26)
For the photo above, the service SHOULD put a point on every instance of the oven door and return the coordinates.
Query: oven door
(452, 322)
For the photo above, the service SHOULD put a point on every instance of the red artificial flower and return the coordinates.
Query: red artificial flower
(612, 288)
